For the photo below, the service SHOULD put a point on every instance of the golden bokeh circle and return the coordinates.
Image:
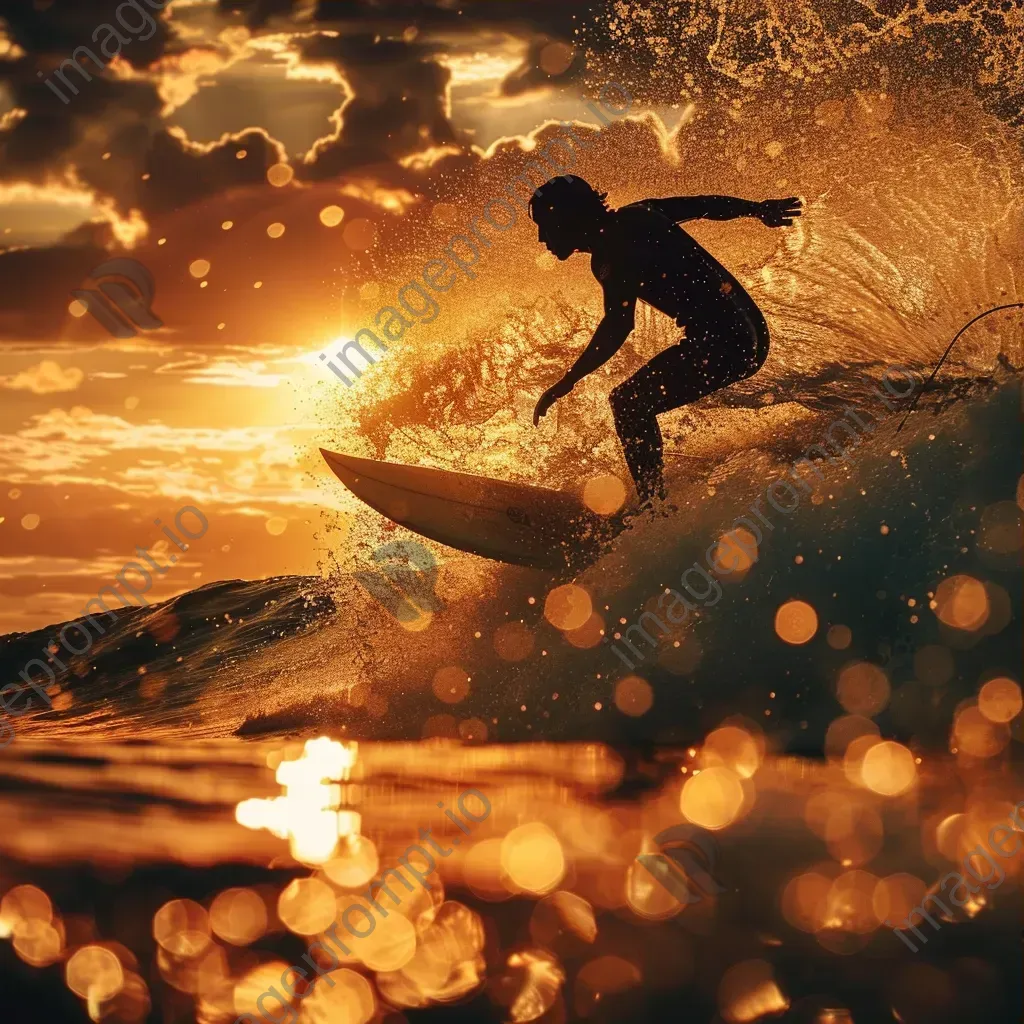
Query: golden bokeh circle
(567, 607)
(839, 637)
(513, 641)
(451, 684)
(331, 216)
(863, 689)
(588, 635)
(712, 798)
(796, 622)
(532, 856)
(306, 906)
(633, 696)
(94, 973)
(735, 551)
(731, 747)
(961, 602)
(604, 494)
(888, 768)
(238, 916)
(999, 700)
(280, 174)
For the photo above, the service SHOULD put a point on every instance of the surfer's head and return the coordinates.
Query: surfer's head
(567, 210)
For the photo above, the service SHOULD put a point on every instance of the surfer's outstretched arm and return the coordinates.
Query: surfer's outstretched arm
(610, 336)
(772, 212)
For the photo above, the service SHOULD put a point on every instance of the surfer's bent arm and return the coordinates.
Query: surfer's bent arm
(772, 212)
(610, 336)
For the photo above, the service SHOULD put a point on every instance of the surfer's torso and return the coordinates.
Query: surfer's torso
(644, 252)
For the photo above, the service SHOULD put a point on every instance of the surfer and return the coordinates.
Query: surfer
(639, 251)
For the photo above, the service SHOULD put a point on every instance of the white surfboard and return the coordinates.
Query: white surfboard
(514, 523)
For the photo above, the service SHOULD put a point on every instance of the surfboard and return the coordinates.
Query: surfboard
(514, 523)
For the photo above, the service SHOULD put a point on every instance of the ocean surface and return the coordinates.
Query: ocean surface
(166, 818)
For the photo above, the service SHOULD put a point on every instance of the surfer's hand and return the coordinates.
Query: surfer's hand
(777, 213)
(548, 399)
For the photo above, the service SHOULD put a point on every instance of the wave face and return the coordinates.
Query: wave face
(884, 526)
(156, 670)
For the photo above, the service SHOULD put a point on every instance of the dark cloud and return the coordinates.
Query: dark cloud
(545, 57)
(57, 29)
(35, 286)
(398, 106)
(390, 55)
(181, 174)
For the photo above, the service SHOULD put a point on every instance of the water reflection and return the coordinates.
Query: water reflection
(209, 870)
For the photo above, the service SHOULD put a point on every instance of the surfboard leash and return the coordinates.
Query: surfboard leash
(949, 348)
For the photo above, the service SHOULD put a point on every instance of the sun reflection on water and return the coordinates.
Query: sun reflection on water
(309, 813)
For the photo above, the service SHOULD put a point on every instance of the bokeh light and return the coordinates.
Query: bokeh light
(748, 992)
(532, 857)
(604, 494)
(451, 684)
(731, 747)
(22, 904)
(863, 689)
(735, 551)
(529, 985)
(355, 863)
(961, 602)
(601, 978)
(567, 607)
(350, 1000)
(306, 906)
(513, 641)
(976, 735)
(895, 896)
(238, 916)
(331, 216)
(633, 696)
(94, 973)
(796, 622)
(839, 637)
(588, 635)
(999, 700)
(280, 174)
(888, 768)
(712, 798)
(1000, 531)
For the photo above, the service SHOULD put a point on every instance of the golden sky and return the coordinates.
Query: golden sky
(282, 171)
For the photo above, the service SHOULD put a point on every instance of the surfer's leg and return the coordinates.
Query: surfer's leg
(699, 365)
(636, 402)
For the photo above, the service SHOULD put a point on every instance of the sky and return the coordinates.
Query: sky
(280, 167)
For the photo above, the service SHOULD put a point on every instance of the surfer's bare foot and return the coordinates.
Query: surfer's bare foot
(656, 505)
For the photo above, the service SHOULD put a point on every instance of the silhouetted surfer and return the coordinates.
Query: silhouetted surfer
(640, 252)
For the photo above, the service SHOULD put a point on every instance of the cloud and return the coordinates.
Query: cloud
(44, 378)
